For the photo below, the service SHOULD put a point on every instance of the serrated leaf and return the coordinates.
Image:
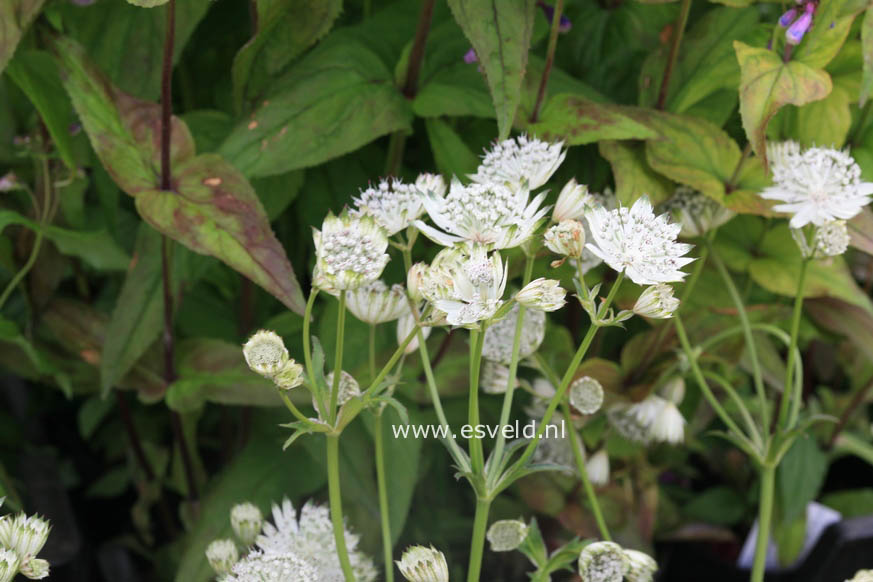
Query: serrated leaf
(500, 32)
(632, 174)
(767, 84)
(576, 120)
(15, 19)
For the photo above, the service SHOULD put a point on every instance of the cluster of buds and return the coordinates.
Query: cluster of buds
(265, 353)
(798, 21)
(609, 562)
(21, 539)
(421, 564)
(506, 535)
(246, 521)
(830, 239)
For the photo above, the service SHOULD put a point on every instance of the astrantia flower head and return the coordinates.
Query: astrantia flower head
(669, 425)
(26, 536)
(586, 395)
(695, 212)
(653, 418)
(497, 344)
(572, 203)
(421, 564)
(290, 376)
(222, 555)
(638, 242)
(35, 569)
(542, 294)
(832, 239)
(598, 468)
(377, 303)
(265, 353)
(311, 538)
(278, 567)
(642, 567)
(816, 185)
(348, 388)
(393, 204)
(490, 213)
(476, 290)
(9, 562)
(506, 535)
(603, 562)
(246, 520)
(518, 162)
(566, 238)
(494, 378)
(657, 302)
(350, 252)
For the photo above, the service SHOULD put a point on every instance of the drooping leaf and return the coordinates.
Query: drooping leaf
(633, 176)
(212, 209)
(336, 99)
(500, 32)
(578, 120)
(285, 29)
(451, 154)
(15, 19)
(767, 84)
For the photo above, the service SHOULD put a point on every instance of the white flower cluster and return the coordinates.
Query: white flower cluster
(394, 204)
(609, 562)
(266, 354)
(350, 252)
(21, 539)
(287, 550)
(696, 213)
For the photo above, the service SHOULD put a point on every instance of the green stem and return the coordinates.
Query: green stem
(476, 454)
(550, 58)
(307, 353)
(788, 390)
(765, 513)
(290, 406)
(383, 500)
(22, 273)
(338, 358)
(579, 455)
(398, 353)
(372, 352)
(678, 32)
(477, 543)
(336, 506)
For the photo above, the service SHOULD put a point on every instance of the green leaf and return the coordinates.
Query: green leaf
(851, 502)
(148, 3)
(333, 101)
(451, 155)
(11, 334)
(867, 44)
(840, 317)
(632, 174)
(97, 248)
(718, 505)
(212, 370)
(767, 84)
(790, 537)
(500, 32)
(15, 19)
(36, 75)
(286, 28)
(830, 27)
(799, 477)
(212, 209)
(861, 231)
(578, 120)
(261, 474)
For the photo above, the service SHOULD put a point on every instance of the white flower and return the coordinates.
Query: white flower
(26, 535)
(603, 562)
(348, 388)
(669, 425)
(607, 200)
(494, 378)
(566, 238)
(222, 555)
(862, 576)
(506, 535)
(311, 538)
(499, 337)
(642, 567)
(543, 294)
(490, 214)
(246, 520)
(586, 395)
(405, 324)
(639, 243)
(521, 161)
(421, 564)
(265, 353)
(598, 468)
(375, 303)
(674, 390)
(653, 418)
(9, 562)
(278, 567)
(695, 212)
(35, 569)
(832, 238)
(657, 302)
(431, 183)
(395, 205)
(290, 376)
(350, 252)
(816, 185)
(476, 289)
(415, 278)
(572, 203)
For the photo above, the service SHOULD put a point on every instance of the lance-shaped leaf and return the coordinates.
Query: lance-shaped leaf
(767, 83)
(500, 32)
(15, 18)
(211, 208)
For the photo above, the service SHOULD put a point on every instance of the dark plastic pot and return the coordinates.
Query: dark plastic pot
(844, 548)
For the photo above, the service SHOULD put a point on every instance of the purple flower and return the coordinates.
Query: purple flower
(564, 25)
(470, 57)
(801, 26)
(786, 19)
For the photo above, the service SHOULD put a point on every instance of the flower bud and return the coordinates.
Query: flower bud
(421, 564)
(787, 18)
(348, 388)
(542, 294)
(431, 183)
(9, 562)
(572, 202)
(415, 278)
(801, 26)
(470, 56)
(349, 251)
(265, 353)
(668, 425)
(603, 562)
(376, 303)
(246, 520)
(35, 569)
(506, 535)
(26, 536)
(586, 395)
(566, 238)
(642, 567)
(657, 302)
(674, 390)
(405, 324)
(832, 238)
(222, 555)
(564, 24)
(290, 376)
(598, 468)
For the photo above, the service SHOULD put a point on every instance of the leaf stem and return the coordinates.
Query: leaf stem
(765, 513)
(579, 456)
(336, 506)
(788, 390)
(167, 94)
(550, 59)
(338, 357)
(383, 499)
(477, 542)
(476, 454)
(678, 33)
(291, 407)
